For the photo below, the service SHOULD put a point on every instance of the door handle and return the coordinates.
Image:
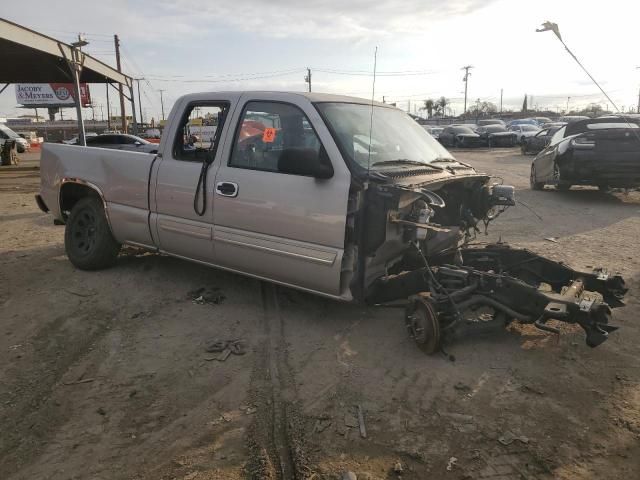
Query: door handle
(227, 189)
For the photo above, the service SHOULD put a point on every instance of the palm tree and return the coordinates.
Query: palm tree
(429, 105)
(442, 104)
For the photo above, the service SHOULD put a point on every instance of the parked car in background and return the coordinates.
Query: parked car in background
(522, 121)
(433, 131)
(121, 141)
(436, 131)
(554, 125)
(459, 136)
(524, 130)
(573, 118)
(542, 120)
(74, 140)
(539, 141)
(603, 152)
(497, 136)
(491, 121)
(7, 134)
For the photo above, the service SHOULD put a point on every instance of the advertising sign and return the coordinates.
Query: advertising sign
(50, 94)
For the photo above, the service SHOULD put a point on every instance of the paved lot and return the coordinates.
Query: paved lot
(105, 375)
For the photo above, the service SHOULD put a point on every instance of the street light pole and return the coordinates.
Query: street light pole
(76, 65)
(162, 103)
(465, 79)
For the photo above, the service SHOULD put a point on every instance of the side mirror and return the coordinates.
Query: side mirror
(137, 143)
(305, 161)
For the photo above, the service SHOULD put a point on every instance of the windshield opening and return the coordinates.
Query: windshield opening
(395, 137)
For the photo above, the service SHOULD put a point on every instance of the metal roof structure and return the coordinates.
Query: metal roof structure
(27, 56)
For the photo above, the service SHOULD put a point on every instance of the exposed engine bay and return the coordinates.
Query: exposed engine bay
(411, 245)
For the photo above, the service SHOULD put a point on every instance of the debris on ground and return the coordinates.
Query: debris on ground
(101, 411)
(322, 423)
(453, 462)
(462, 387)
(507, 438)
(363, 428)
(349, 476)
(552, 239)
(225, 348)
(350, 420)
(397, 467)
(206, 296)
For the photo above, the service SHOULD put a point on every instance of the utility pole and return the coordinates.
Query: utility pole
(466, 81)
(568, 98)
(108, 108)
(638, 95)
(501, 92)
(162, 103)
(140, 101)
(307, 77)
(122, 111)
(101, 113)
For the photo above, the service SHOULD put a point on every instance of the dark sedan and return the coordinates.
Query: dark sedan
(459, 136)
(604, 152)
(497, 136)
(539, 141)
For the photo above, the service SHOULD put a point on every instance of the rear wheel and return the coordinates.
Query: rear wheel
(533, 180)
(88, 241)
(560, 185)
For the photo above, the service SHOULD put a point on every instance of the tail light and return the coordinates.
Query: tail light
(585, 142)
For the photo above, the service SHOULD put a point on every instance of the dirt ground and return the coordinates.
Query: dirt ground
(105, 375)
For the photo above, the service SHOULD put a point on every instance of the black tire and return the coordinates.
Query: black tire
(88, 241)
(604, 188)
(560, 185)
(533, 181)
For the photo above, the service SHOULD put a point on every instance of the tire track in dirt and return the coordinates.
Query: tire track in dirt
(275, 439)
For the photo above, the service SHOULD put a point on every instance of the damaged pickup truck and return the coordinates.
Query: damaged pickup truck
(332, 195)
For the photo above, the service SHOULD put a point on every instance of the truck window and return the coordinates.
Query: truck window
(268, 130)
(197, 133)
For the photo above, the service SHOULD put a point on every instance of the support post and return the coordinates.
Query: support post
(123, 114)
(76, 66)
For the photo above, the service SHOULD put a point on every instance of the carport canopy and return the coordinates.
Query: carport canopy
(27, 56)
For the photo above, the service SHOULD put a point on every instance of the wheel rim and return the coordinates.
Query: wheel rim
(83, 232)
(424, 327)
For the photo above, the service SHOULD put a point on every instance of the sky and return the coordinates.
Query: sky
(183, 46)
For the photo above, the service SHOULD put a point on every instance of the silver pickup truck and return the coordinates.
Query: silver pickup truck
(337, 196)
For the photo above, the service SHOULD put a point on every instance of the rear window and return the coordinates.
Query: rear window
(461, 130)
(529, 128)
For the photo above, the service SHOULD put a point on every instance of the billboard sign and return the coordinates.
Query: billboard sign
(50, 94)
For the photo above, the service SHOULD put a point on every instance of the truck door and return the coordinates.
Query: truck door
(182, 227)
(283, 227)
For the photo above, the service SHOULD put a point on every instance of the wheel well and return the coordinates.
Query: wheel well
(70, 193)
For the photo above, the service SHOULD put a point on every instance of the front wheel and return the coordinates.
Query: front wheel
(88, 241)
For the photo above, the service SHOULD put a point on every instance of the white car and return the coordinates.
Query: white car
(74, 140)
(7, 134)
(524, 131)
